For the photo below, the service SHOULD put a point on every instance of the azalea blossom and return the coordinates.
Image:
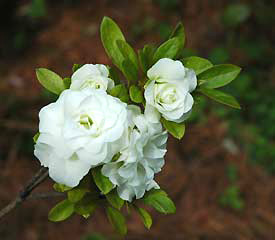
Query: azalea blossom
(167, 92)
(139, 159)
(93, 76)
(80, 130)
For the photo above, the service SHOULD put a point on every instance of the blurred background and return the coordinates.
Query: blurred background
(221, 175)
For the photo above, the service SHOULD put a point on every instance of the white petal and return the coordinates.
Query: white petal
(151, 114)
(166, 69)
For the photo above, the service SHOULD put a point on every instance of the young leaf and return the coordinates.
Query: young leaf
(198, 64)
(50, 80)
(136, 94)
(61, 211)
(121, 92)
(61, 187)
(102, 182)
(160, 201)
(76, 66)
(129, 70)
(145, 216)
(113, 74)
(114, 199)
(176, 129)
(35, 137)
(168, 49)
(146, 57)
(179, 33)
(220, 97)
(76, 194)
(218, 75)
(86, 206)
(110, 33)
(117, 220)
(67, 82)
(128, 52)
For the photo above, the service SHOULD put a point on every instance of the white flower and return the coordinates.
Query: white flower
(141, 157)
(168, 91)
(80, 130)
(93, 76)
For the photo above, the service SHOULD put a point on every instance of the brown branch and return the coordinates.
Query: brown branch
(37, 179)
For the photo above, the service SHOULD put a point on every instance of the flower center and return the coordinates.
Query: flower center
(86, 121)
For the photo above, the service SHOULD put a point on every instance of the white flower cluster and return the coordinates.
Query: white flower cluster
(86, 127)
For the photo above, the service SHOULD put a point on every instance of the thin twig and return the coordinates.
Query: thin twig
(47, 195)
(37, 179)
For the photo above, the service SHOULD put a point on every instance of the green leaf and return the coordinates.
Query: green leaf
(220, 97)
(61, 211)
(218, 75)
(110, 33)
(128, 52)
(176, 129)
(136, 94)
(61, 187)
(145, 216)
(76, 194)
(86, 206)
(179, 33)
(35, 137)
(198, 64)
(160, 201)
(113, 74)
(168, 49)
(129, 71)
(121, 92)
(50, 80)
(117, 220)
(76, 66)
(115, 200)
(102, 182)
(67, 82)
(146, 57)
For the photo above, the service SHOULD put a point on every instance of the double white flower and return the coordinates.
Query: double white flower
(168, 91)
(140, 158)
(80, 130)
(93, 76)
(86, 127)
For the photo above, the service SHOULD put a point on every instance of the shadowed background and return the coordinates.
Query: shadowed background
(221, 175)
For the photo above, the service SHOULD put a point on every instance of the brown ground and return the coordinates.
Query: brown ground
(194, 175)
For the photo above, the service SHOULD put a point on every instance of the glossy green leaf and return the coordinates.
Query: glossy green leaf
(86, 206)
(146, 57)
(114, 199)
(136, 94)
(220, 97)
(113, 74)
(76, 66)
(110, 33)
(218, 75)
(175, 129)
(117, 220)
(145, 216)
(67, 82)
(35, 137)
(61, 211)
(121, 92)
(76, 194)
(168, 49)
(50, 80)
(102, 182)
(179, 33)
(128, 52)
(129, 70)
(198, 64)
(61, 187)
(160, 201)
